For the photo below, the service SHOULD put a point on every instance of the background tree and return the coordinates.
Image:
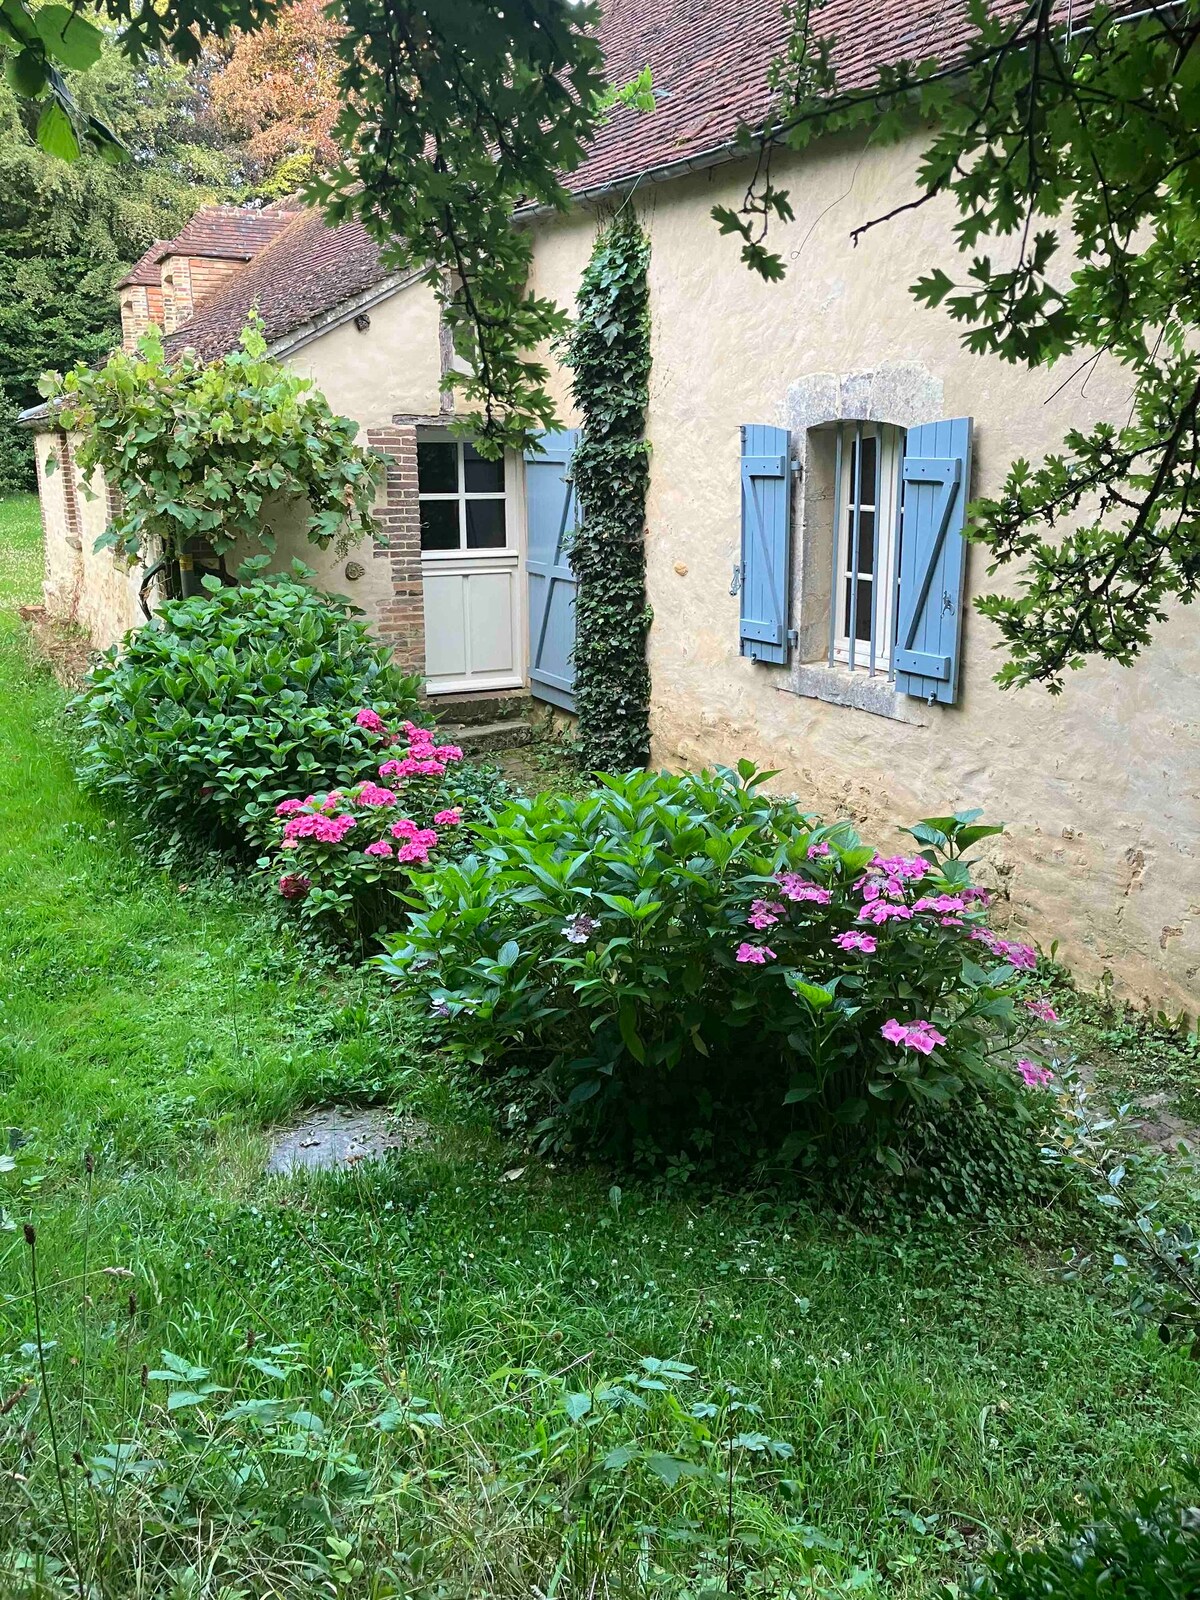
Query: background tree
(67, 230)
(275, 92)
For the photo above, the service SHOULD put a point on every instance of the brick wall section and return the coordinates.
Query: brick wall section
(402, 620)
(70, 489)
(187, 281)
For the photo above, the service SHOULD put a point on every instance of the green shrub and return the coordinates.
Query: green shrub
(686, 968)
(225, 704)
(1147, 1551)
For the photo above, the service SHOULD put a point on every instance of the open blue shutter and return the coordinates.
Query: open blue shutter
(933, 559)
(766, 518)
(551, 511)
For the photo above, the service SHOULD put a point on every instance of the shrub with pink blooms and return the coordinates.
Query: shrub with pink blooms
(342, 858)
(685, 968)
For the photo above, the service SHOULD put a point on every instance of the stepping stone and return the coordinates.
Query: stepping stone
(338, 1137)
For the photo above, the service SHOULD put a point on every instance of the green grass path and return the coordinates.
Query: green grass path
(944, 1375)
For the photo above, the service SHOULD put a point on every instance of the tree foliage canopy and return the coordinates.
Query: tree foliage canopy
(198, 450)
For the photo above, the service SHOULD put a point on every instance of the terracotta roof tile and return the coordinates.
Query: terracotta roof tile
(309, 268)
(146, 269)
(709, 60)
(228, 232)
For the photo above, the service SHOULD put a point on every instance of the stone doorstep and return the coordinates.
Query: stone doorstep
(463, 710)
(485, 738)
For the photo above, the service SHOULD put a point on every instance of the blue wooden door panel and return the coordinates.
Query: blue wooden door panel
(551, 510)
(933, 559)
(766, 518)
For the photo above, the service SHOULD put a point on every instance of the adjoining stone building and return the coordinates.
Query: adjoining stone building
(799, 662)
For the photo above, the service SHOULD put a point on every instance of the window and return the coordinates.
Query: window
(865, 544)
(461, 496)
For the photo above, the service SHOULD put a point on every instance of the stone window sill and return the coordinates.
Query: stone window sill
(838, 686)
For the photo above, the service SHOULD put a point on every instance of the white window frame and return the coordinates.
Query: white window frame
(462, 495)
(887, 546)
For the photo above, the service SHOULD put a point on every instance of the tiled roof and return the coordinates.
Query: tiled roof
(228, 232)
(146, 269)
(709, 61)
(308, 269)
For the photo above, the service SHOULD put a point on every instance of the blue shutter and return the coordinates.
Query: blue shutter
(933, 559)
(766, 524)
(551, 510)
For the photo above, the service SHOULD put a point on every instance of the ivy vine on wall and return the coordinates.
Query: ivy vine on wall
(609, 354)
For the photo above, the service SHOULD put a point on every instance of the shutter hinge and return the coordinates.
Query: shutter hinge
(736, 582)
(793, 639)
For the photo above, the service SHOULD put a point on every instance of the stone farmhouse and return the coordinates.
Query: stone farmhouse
(784, 420)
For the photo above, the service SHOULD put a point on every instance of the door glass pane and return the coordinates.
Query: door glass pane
(862, 622)
(480, 476)
(437, 469)
(866, 542)
(485, 525)
(439, 524)
(866, 482)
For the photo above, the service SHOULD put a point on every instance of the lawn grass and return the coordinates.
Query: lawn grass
(438, 1337)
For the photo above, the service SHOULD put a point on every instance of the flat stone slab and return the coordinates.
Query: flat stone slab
(338, 1137)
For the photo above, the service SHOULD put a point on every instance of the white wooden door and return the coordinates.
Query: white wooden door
(470, 567)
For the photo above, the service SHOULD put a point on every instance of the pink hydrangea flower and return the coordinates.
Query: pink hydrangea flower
(920, 1036)
(940, 902)
(913, 867)
(448, 752)
(450, 818)
(287, 808)
(294, 885)
(370, 794)
(366, 718)
(880, 911)
(423, 839)
(821, 848)
(1042, 1010)
(1035, 1077)
(380, 848)
(793, 887)
(853, 940)
(755, 955)
(1023, 956)
(974, 892)
(765, 914)
(413, 851)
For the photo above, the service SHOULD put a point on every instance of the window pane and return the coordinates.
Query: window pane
(866, 481)
(482, 477)
(862, 620)
(437, 469)
(485, 525)
(439, 524)
(866, 542)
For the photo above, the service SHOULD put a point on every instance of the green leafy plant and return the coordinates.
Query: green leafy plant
(226, 704)
(202, 450)
(687, 966)
(609, 353)
(1149, 1550)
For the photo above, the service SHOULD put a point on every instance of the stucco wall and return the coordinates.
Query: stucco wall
(1098, 787)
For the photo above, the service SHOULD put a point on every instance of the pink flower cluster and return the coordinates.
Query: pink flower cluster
(922, 1036)
(1019, 955)
(318, 825)
(880, 911)
(1034, 1077)
(371, 720)
(423, 759)
(793, 887)
(853, 940)
(417, 842)
(371, 794)
(816, 851)
(1042, 1010)
(765, 914)
(755, 955)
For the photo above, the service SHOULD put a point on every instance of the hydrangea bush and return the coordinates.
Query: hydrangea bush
(341, 858)
(684, 967)
(224, 704)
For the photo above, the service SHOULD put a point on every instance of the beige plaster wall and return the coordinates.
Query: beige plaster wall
(392, 369)
(1099, 787)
